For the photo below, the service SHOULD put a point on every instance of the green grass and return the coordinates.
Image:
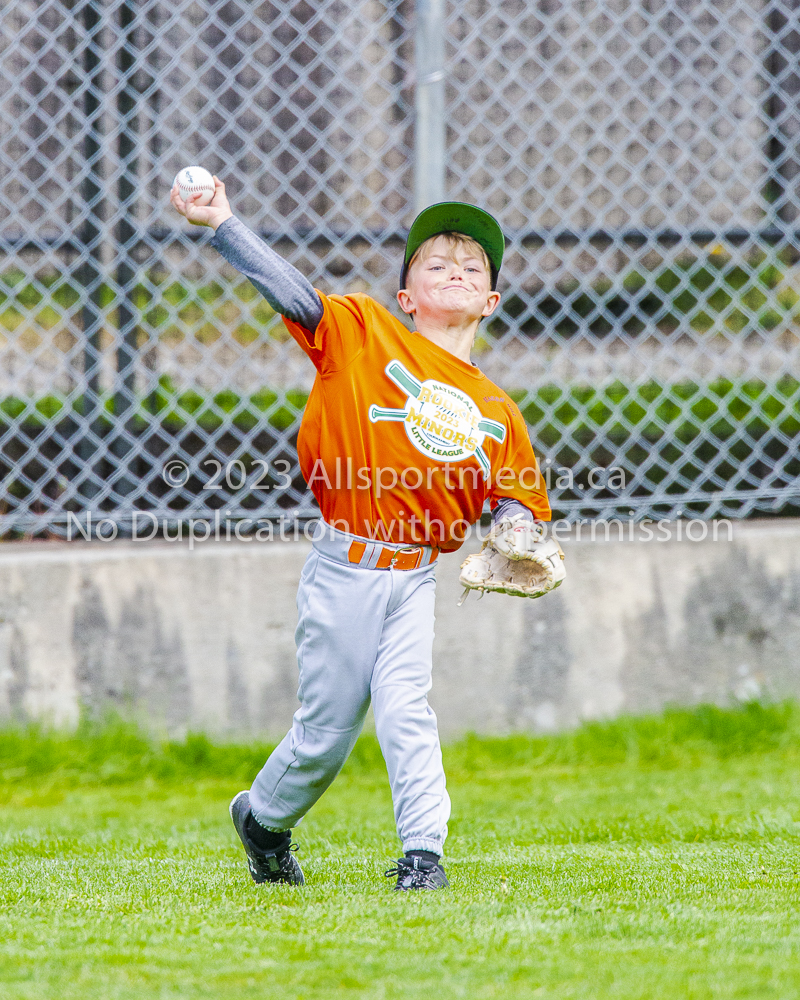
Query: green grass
(712, 292)
(680, 411)
(635, 859)
(174, 409)
(166, 305)
(709, 435)
(719, 289)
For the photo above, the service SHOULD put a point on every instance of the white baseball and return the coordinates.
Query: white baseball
(195, 180)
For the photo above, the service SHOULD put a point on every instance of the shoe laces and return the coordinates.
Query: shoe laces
(420, 877)
(293, 847)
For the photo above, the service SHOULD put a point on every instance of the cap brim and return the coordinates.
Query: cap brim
(457, 217)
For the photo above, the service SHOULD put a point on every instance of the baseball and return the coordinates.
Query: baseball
(194, 180)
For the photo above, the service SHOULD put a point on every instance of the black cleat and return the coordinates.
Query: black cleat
(414, 873)
(278, 865)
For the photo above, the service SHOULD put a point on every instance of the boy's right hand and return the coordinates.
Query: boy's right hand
(213, 214)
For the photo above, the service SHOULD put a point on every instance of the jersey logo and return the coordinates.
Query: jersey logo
(440, 420)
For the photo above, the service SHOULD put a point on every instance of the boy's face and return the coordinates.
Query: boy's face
(448, 283)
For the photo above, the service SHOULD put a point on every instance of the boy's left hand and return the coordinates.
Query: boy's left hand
(515, 559)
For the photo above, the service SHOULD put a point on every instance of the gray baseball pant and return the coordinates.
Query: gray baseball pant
(363, 634)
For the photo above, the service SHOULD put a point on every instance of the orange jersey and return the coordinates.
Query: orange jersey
(401, 441)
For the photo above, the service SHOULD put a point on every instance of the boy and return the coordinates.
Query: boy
(401, 443)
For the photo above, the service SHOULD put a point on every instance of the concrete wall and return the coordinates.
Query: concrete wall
(204, 639)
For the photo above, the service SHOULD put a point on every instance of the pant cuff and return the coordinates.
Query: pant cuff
(274, 828)
(423, 844)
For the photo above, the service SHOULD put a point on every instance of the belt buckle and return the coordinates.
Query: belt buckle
(404, 551)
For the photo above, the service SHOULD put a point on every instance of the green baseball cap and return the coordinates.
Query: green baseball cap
(456, 217)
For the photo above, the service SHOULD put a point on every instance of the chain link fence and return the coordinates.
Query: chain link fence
(642, 159)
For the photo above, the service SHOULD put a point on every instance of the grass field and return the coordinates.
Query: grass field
(640, 858)
(720, 289)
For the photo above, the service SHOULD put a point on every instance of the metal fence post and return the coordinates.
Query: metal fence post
(429, 136)
(127, 237)
(89, 272)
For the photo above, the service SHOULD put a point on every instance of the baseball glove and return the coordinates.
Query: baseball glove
(515, 559)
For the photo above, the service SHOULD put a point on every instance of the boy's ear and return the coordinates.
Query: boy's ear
(491, 304)
(405, 301)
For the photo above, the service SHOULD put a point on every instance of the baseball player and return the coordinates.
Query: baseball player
(402, 441)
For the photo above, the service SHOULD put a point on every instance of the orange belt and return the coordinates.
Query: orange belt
(405, 558)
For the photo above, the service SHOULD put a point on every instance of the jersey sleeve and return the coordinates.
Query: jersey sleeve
(339, 336)
(517, 475)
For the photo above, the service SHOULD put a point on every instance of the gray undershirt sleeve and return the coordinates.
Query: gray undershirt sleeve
(508, 507)
(282, 285)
